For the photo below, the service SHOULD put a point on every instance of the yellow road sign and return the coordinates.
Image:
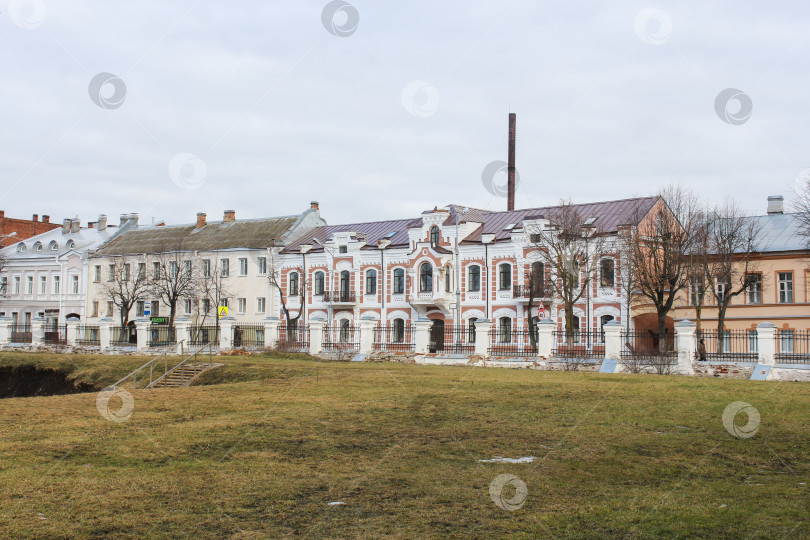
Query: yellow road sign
(223, 311)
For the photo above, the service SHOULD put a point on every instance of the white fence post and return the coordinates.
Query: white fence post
(72, 334)
(105, 333)
(271, 325)
(613, 340)
(5, 330)
(421, 335)
(766, 343)
(316, 336)
(545, 338)
(182, 325)
(37, 331)
(142, 329)
(685, 346)
(482, 329)
(226, 333)
(367, 325)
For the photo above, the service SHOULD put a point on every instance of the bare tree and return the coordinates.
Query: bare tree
(732, 239)
(173, 278)
(802, 206)
(659, 253)
(566, 246)
(536, 283)
(697, 259)
(274, 278)
(126, 285)
(627, 239)
(212, 287)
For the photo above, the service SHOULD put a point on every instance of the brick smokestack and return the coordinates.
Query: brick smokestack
(510, 171)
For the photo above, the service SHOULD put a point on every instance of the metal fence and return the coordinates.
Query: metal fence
(732, 345)
(204, 335)
(293, 338)
(339, 296)
(161, 335)
(123, 337)
(394, 338)
(642, 349)
(577, 344)
(56, 334)
(248, 335)
(454, 340)
(793, 347)
(341, 338)
(21, 333)
(88, 335)
(520, 342)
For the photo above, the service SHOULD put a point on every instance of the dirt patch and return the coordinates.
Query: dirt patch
(30, 381)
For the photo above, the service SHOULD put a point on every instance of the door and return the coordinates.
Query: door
(436, 336)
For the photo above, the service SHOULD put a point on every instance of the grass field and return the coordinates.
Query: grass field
(260, 447)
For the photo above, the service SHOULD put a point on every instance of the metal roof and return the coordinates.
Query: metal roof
(780, 232)
(371, 232)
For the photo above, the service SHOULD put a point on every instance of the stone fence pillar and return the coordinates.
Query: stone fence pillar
(142, 329)
(421, 335)
(766, 343)
(482, 330)
(316, 336)
(226, 333)
(38, 331)
(72, 336)
(271, 325)
(182, 332)
(105, 333)
(5, 330)
(545, 338)
(366, 327)
(613, 340)
(685, 346)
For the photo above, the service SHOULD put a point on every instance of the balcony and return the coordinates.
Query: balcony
(431, 298)
(522, 293)
(339, 297)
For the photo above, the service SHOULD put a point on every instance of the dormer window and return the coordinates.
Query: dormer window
(20, 248)
(70, 244)
(434, 236)
(343, 249)
(37, 247)
(53, 246)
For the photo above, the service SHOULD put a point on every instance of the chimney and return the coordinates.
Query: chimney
(313, 205)
(35, 218)
(46, 218)
(102, 222)
(510, 201)
(65, 226)
(776, 204)
(230, 216)
(134, 219)
(2, 213)
(200, 219)
(90, 224)
(75, 225)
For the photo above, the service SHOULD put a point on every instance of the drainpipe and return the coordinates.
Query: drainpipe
(383, 313)
(487, 276)
(458, 281)
(304, 282)
(61, 288)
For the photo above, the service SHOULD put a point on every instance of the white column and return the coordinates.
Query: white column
(105, 333)
(38, 331)
(226, 333)
(316, 336)
(613, 340)
(72, 332)
(421, 334)
(482, 329)
(271, 325)
(142, 329)
(545, 338)
(685, 346)
(5, 330)
(182, 327)
(766, 343)
(367, 325)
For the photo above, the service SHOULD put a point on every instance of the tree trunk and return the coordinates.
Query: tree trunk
(662, 331)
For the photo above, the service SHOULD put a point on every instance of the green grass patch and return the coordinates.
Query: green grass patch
(260, 447)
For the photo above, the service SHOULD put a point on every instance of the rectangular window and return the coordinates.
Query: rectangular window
(786, 341)
(74, 284)
(242, 266)
(139, 308)
(343, 249)
(17, 285)
(261, 265)
(474, 284)
(241, 304)
(260, 304)
(721, 290)
(225, 265)
(155, 270)
(206, 306)
(753, 342)
(505, 276)
(29, 285)
(3, 285)
(187, 268)
(206, 267)
(173, 269)
(785, 287)
(223, 302)
(187, 304)
(535, 238)
(155, 308)
(95, 308)
(141, 270)
(399, 281)
(56, 281)
(43, 284)
(127, 267)
(97, 273)
(109, 309)
(111, 272)
(753, 287)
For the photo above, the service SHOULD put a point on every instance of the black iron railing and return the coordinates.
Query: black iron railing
(88, 335)
(577, 344)
(793, 347)
(340, 337)
(204, 335)
(123, 337)
(520, 342)
(56, 334)
(731, 345)
(454, 340)
(293, 338)
(339, 296)
(394, 338)
(248, 335)
(21, 333)
(524, 291)
(160, 335)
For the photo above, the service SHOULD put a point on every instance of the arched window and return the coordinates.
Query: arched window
(471, 330)
(345, 331)
(319, 283)
(53, 245)
(434, 236)
(505, 329)
(474, 282)
(344, 283)
(537, 277)
(399, 281)
(504, 276)
(448, 272)
(371, 282)
(20, 248)
(399, 330)
(38, 247)
(606, 273)
(426, 277)
(294, 284)
(575, 328)
(70, 244)
(603, 320)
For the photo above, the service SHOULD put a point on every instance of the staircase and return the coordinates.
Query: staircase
(183, 375)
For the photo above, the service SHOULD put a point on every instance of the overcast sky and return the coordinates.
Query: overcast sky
(262, 107)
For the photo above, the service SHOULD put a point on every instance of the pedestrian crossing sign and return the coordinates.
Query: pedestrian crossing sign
(223, 311)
